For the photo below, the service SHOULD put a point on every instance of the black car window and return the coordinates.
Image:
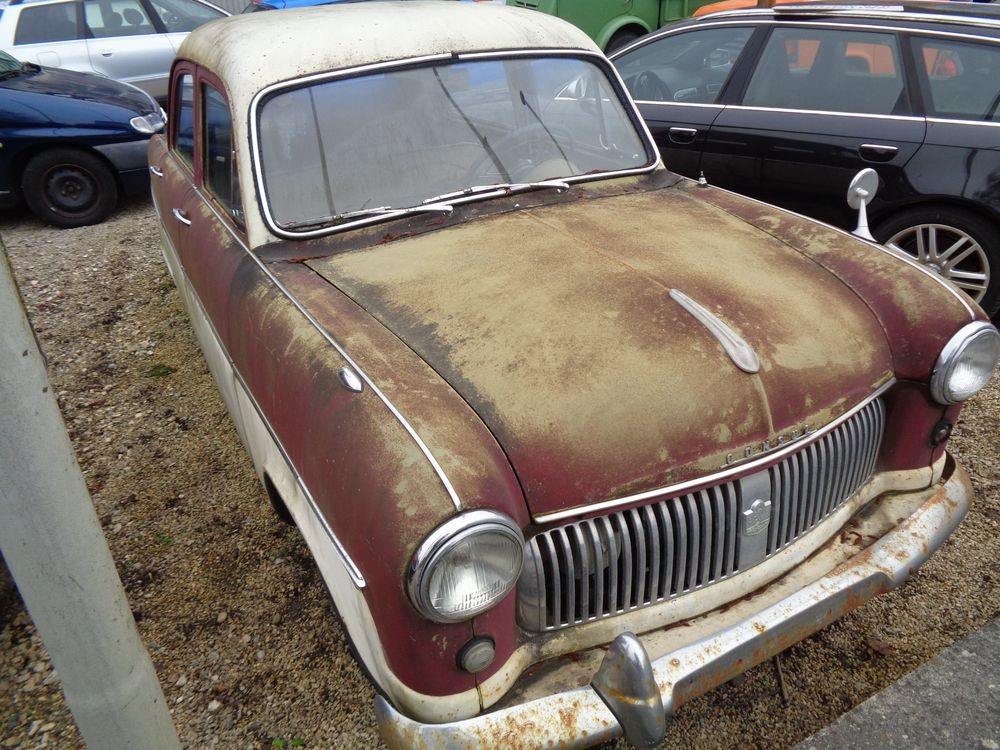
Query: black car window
(183, 15)
(217, 146)
(48, 23)
(184, 133)
(688, 67)
(829, 70)
(107, 18)
(962, 78)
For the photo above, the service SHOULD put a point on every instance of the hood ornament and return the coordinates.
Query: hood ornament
(738, 350)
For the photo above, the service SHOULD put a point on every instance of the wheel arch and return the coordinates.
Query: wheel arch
(621, 23)
(932, 202)
(25, 155)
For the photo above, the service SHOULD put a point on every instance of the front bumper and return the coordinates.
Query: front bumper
(581, 718)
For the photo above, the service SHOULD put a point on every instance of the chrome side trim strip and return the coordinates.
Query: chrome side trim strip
(449, 488)
(352, 569)
(748, 108)
(739, 351)
(947, 121)
(597, 58)
(711, 479)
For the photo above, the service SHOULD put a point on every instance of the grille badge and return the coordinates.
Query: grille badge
(755, 517)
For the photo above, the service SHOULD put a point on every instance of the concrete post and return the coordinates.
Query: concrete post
(54, 548)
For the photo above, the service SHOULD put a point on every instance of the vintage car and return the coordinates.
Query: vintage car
(525, 392)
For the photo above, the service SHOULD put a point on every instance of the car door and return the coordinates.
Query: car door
(822, 103)
(679, 81)
(51, 35)
(200, 212)
(125, 45)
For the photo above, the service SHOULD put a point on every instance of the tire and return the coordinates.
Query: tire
(621, 38)
(69, 187)
(961, 246)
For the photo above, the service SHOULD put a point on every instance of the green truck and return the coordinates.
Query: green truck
(615, 23)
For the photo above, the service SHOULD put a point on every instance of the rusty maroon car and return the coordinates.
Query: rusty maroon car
(532, 399)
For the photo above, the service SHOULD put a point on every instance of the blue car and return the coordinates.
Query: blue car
(71, 143)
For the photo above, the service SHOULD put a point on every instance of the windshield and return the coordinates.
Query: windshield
(398, 139)
(8, 64)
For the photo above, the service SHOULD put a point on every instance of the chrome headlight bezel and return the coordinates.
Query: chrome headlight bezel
(443, 540)
(942, 390)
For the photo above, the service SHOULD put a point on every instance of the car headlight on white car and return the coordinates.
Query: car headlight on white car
(966, 363)
(466, 566)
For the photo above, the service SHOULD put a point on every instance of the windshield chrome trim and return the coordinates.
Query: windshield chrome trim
(629, 107)
(711, 479)
(404, 423)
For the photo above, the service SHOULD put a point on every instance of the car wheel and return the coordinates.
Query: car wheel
(620, 39)
(69, 188)
(957, 244)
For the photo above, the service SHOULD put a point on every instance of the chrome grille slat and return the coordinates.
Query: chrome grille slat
(604, 566)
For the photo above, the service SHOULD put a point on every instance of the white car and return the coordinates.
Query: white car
(129, 40)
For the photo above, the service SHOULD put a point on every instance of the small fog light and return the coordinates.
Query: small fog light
(476, 655)
(941, 432)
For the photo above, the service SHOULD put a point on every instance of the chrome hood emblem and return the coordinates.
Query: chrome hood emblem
(738, 350)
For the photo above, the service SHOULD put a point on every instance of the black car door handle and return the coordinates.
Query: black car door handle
(877, 152)
(682, 135)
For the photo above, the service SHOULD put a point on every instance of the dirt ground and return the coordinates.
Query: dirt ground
(227, 599)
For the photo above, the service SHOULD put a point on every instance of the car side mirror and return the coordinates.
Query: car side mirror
(860, 192)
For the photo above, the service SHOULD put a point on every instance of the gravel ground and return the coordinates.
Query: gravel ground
(227, 599)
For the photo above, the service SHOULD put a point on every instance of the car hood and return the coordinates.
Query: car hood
(77, 90)
(557, 326)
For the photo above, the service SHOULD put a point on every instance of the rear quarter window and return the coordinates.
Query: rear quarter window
(48, 23)
(961, 78)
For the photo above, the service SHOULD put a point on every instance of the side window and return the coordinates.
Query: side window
(961, 78)
(217, 148)
(690, 67)
(106, 18)
(183, 15)
(48, 23)
(184, 125)
(829, 70)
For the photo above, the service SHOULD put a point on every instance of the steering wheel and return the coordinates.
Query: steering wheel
(650, 87)
(519, 150)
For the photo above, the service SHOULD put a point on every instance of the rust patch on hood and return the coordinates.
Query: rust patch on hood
(555, 324)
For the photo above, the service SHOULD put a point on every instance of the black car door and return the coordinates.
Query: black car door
(822, 103)
(679, 81)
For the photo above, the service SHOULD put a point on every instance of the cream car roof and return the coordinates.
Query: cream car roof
(252, 51)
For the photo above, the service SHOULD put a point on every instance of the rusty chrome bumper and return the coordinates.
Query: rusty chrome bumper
(580, 717)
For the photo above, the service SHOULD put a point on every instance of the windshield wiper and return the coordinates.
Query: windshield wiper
(442, 208)
(503, 188)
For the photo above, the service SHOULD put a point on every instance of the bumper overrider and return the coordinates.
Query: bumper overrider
(632, 695)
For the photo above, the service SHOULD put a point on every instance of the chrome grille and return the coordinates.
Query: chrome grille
(605, 566)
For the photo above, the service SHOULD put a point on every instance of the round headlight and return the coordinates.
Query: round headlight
(466, 566)
(966, 363)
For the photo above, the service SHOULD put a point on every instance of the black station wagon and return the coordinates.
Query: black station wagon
(787, 104)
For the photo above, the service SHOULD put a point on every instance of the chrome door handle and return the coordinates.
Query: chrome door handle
(182, 217)
(682, 135)
(877, 151)
(156, 170)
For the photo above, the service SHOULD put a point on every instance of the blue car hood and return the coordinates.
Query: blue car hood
(75, 93)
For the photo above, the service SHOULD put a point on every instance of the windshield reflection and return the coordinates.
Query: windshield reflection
(393, 140)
